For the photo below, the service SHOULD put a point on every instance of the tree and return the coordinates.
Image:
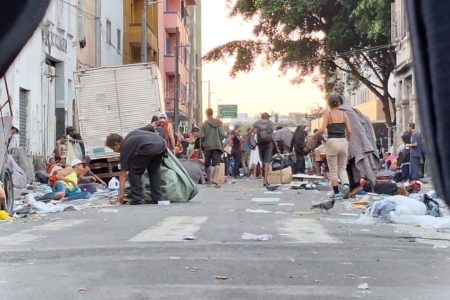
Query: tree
(329, 34)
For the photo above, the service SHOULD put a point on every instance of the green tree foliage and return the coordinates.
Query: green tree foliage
(330, 34)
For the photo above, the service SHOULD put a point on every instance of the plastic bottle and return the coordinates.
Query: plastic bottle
(113, 185)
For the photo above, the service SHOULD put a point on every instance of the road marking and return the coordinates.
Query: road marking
(171, 229)
(26, 236)
(306, 231)
(58, 225)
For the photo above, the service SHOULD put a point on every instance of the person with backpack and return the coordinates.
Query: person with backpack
(212, 135)
(264, 131)
(165, 129)
(298, 145)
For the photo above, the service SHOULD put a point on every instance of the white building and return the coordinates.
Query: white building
(406, 102)
(40, 80)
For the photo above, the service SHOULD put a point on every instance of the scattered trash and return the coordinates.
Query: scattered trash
(193, 269)
(108, 210)
(253, 237)
(363, 286)
(164, 203)
(348, 214)
(268, 201)
(286, 204)
(400, 205)
(219, 277)
(4, 216)
(189, 238)
(258, 211)
(82, 290)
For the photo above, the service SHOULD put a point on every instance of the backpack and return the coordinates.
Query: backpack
(279, 162)
(265, 131)
(161, 129)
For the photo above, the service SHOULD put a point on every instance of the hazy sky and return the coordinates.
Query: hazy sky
(261, 90)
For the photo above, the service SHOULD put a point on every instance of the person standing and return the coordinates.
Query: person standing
(339, 134)
(298, 145)
(14, 140)
(212, 135)
(246, 152)
(416, 152)
(75, 138)
(264, 132)
(139, 151)
(236, 150)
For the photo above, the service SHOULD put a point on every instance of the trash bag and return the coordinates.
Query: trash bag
(279, 162)
(400, 205)
(18, 174)
(432, 206)
(177, 185)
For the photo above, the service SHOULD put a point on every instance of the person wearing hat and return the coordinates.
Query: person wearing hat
(75, 137)
(14, 140)
(66, 185)
(266, 142)
(298, 144)
(165, 129)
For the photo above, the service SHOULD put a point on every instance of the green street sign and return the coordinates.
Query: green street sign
(228, 111)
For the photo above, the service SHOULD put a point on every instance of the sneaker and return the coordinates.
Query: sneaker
(345, 191)
(336, 197)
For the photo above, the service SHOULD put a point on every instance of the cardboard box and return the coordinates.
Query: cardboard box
(221, 176)
(280, 177)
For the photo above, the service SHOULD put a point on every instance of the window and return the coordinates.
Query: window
(168, 46)
(108, 32)
(119, 39)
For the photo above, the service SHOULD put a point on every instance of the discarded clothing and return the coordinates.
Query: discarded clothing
(401, 205)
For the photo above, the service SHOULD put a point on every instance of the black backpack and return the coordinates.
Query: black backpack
(279, 162)
(265, 132)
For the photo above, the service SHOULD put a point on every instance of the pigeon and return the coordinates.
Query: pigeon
(324, 205)
(272, 188)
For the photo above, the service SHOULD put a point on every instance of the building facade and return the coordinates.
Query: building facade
(133, 38)
(174, 38)
(406, 102)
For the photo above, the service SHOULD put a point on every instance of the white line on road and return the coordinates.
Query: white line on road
(171, 229)
(306, 231)
(25, 236)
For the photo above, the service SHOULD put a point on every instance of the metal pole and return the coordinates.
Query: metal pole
(209, 93)
(144, 33)
(177, 89)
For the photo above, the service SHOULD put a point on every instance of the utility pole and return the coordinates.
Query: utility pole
(177, 89)
(98, 33)
(144, 32)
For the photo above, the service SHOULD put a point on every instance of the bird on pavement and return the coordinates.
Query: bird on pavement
(272, 188)
(324, 205)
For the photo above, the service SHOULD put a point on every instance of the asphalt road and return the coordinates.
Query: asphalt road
(138, 252)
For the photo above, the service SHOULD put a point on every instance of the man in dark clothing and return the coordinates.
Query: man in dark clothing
(140, 150)
(264, 130)
(75, 138)
(236, 150)
(416, 152)
(298, 145)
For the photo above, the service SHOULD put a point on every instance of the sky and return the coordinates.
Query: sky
(263, 89)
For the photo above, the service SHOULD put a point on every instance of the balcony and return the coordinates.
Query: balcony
(135, 35)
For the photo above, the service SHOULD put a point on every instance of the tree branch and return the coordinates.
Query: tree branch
(371, 66)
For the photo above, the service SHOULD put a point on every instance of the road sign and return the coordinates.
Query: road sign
(228, 111)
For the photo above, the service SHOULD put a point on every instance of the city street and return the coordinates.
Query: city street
(138, 252)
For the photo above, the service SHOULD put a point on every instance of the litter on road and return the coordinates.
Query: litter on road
(253, 237)
(258, 211)
(266, 201)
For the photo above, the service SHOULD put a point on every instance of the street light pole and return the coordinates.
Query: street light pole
(144, 32)
(177, 89)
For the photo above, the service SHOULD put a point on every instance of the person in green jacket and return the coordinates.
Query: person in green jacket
(212, 135)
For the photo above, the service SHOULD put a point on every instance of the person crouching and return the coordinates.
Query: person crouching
(139, 151)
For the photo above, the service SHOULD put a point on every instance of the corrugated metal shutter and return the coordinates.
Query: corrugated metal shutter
(116, 100)
(23, 116)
